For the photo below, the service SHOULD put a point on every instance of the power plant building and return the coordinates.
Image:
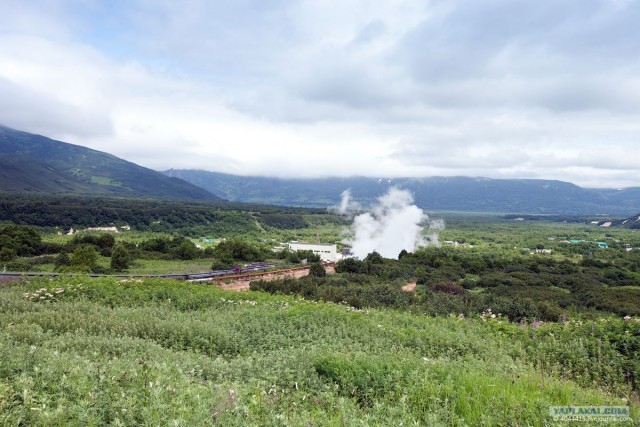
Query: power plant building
(326, 251)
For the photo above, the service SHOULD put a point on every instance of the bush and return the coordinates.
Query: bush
(239, 250)
(351, 265)
(7, 254)
(120, 258)
(62, 260)
(220, 265)
(317, 270)
(447, 287)
(84, 258)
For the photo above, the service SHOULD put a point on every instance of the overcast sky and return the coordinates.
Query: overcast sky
(496, 88)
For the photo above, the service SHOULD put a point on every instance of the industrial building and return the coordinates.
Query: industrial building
(326, 251)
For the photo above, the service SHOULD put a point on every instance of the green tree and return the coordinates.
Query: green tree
(62, 260)
(374, 258)
(106, 241)
(317, 269)
(120, 258)
(186, 250)
(7, 254)
(239, 250)
(84, 258)
(23, 239)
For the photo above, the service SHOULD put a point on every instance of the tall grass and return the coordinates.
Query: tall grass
(109, 352)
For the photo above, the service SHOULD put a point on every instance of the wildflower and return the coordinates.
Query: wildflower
(536, 323)
(461, 316)
(627, 318)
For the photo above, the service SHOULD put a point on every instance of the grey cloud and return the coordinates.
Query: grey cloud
(456, 155)
(23, 108)
(221, 41)
(370, 32)
(463, 39)
(500, 87)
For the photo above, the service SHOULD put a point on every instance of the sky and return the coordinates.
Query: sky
(544, 89)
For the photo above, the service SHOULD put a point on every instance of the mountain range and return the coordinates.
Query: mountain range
(476, 194)
(35, 163)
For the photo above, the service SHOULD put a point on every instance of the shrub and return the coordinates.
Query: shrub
(84, 257)
(351, 265)
(220, 265)
(120, 258)
(447, 287)
(317, 270)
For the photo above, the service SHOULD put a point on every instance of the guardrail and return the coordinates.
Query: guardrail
(203, 276)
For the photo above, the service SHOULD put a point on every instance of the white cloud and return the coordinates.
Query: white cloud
(502, 88)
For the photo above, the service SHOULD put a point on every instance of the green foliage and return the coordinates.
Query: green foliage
(153, 352)
(120, 258)
(176, 247)
(19, 240)
(185, 250)
(351, 265)
(295, 257)
(7, 254)
(220, 265)
(84, 258)
(374, 258)
(100, 241)
(317, 270)
(239, 250)
(283, 221)
(358, 295)
(62, 260)
(447, 287)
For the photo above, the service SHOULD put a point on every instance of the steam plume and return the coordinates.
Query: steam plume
(344, 203)
(392, 225)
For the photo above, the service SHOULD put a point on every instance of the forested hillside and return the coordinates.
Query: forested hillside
(35, 163)
(432, 193)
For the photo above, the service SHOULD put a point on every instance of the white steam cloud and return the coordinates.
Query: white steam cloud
(392, 225)
(344, 203)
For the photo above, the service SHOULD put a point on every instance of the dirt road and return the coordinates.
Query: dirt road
(242, 283)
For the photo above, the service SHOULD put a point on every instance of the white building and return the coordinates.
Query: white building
(326, 251)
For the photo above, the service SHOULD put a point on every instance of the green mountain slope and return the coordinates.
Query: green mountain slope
(24, 173)
(433, 193)
(40, 164)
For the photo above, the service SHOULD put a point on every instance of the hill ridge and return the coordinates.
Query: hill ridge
(36, 163)
(457, 193)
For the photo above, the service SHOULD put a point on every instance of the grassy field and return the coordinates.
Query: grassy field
(161, 353)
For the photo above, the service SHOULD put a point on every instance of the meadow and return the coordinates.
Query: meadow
(494, 333)
(158, 352)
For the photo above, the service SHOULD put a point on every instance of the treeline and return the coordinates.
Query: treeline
(461, 282)
(22, 249)
(186, 217)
